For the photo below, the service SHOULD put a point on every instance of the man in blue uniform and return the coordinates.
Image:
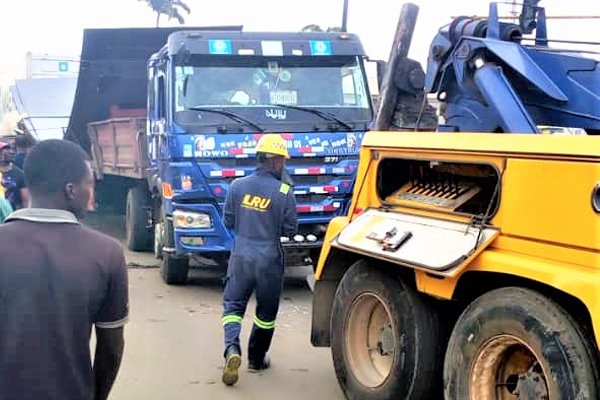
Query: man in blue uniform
(260, 209)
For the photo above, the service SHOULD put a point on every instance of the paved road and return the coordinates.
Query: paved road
(174, 340)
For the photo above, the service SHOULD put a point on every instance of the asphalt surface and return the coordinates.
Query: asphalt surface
(174, 338)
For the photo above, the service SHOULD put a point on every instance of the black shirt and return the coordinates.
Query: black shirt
(57, 280)
(19, 160)
(13, 181)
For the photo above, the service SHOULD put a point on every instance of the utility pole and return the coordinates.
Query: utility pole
(345, 17)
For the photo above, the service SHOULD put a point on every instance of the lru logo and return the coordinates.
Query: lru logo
(256, 202)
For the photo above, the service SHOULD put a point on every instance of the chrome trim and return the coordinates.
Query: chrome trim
(596, 198)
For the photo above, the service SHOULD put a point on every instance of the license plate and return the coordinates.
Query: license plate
(284, 97)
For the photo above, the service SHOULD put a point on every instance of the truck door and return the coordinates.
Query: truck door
(157, 121)
(152, 117)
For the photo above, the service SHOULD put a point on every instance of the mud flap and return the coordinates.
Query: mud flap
(310, 280)
(437, 246)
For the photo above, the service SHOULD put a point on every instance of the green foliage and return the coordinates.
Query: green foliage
(171, 8)
(317, 28)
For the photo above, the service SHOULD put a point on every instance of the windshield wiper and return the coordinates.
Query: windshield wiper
(323, 114)
(233, 116)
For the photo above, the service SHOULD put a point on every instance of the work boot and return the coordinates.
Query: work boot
(259, 366)
(233, 360)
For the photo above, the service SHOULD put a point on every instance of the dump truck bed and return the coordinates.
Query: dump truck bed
(119, 147)
(113, 73)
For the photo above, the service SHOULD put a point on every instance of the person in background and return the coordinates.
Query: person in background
(5, 207)
(23, 143)
(13, 179)
(58, 279)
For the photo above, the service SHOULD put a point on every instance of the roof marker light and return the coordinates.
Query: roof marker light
(220, 46)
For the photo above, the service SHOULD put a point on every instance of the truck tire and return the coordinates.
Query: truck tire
(138, 236)
(516, 343)
(385, 338)
(174, 269)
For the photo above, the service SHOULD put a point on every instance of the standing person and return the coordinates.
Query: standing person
(23, 143)
(260, 209)
(13, 179)
(5, 207)
(57, 279)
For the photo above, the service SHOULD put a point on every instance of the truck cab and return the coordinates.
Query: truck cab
(211, 95)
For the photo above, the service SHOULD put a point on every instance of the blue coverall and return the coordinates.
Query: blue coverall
(260, 209)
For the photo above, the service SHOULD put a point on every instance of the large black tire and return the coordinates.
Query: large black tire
(405, 360)
(516, 343)
(137, 220)
(174, 269)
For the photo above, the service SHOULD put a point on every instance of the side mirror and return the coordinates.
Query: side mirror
(375, 71)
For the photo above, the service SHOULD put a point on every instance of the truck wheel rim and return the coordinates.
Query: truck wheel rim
(370, 340)
(507, 368)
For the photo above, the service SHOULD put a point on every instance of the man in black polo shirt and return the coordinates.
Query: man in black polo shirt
(57, 279)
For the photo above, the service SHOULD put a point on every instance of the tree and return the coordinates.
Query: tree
(312, 28)
(317, 28)
(170, 8)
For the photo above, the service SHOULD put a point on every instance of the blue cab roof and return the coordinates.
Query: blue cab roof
(264, 43)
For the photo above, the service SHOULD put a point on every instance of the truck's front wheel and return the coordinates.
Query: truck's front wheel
(174, 269)
(384, 337)
(137, 220)
(514, 343)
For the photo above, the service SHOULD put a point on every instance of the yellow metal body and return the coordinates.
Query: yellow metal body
(549, 231)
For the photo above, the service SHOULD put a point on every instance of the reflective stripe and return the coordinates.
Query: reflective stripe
(262, 324)
(231, 319)
(114, 324)
(284, 188)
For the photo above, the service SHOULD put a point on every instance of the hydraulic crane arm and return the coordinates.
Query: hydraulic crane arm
(488, 80)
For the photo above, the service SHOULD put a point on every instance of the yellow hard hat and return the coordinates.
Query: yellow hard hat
(272, 143)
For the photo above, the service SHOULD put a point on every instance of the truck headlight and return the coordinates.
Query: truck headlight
(186, 219)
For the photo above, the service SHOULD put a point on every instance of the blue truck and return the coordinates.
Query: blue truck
(171, 117)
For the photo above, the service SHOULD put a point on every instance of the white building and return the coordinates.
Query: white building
(50, 66)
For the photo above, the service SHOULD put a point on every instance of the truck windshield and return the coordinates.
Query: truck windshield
(258, 87)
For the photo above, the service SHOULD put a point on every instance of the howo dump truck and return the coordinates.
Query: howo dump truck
(468, 264)
(172, 117)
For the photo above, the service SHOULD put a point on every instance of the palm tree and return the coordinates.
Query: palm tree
(312, 28)
(170, 8)
(317, 28)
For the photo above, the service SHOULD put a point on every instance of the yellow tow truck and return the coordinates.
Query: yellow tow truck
(468, 265)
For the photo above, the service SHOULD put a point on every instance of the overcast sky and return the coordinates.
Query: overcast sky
(55, 26)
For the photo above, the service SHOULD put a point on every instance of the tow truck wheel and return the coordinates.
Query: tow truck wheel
(514, 343)
(385, 338)
(138, 236)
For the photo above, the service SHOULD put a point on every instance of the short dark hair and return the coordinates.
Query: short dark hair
(24, 141)
(261, 158)
(51, 164)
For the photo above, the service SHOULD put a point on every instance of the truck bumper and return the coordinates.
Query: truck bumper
(216, 239)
